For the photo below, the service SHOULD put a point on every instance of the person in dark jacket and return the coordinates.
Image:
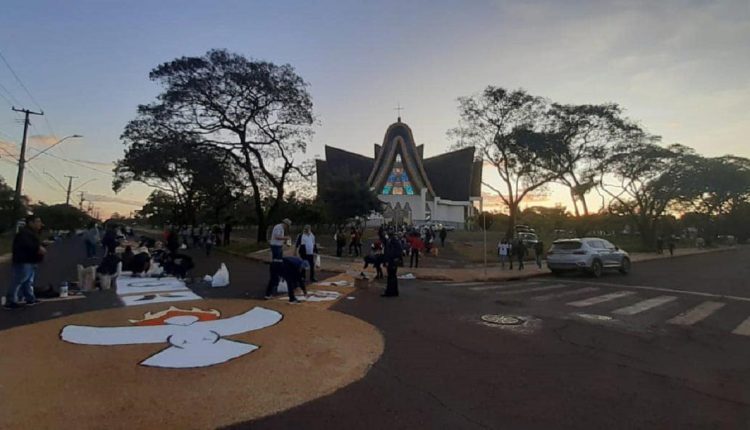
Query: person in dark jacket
(293, 273)
(27, 253)
(519, 248)
(443, 235)
(109, 241)
(393, 257)
(227, 231)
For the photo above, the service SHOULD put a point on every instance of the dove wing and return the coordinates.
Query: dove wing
(86, 335)
(183, 358)
(254, 319)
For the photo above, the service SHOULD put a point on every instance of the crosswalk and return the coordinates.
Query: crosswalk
(625, 303)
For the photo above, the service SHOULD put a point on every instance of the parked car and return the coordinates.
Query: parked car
(529, 239)
(590, 254)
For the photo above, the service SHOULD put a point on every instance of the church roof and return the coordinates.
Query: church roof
(451, 176)
(452, 173)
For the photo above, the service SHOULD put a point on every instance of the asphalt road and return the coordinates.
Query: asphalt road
(658, 353)
(582, 366)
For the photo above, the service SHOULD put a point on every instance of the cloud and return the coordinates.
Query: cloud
(101, 198)
(47, 140)
(8, 149)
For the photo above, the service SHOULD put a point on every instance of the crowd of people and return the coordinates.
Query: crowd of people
(508, 250)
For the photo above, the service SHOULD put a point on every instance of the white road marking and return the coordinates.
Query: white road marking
(532, 290)
(601, 299)
(743, 329)
(565, 294)
(644, 305)
(664, 290)
(698, 313)
(504, 286)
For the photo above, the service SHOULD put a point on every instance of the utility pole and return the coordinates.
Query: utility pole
(80, 202)
(70, 184)
(22, 159)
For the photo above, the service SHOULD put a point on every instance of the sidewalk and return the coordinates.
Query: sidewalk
(474, 273)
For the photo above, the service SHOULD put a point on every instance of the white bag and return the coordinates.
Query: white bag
(282, 287)
(221, 278)
(317, 261)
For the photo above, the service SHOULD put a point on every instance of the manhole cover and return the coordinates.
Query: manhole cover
(502, 319)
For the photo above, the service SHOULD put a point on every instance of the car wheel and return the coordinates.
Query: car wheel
(625, 266)
(596, 268)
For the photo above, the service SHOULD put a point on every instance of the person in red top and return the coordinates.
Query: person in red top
(416, 245)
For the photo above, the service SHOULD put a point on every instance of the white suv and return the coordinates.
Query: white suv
(590, 254)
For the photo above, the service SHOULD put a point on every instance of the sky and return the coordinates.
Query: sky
(681, 68)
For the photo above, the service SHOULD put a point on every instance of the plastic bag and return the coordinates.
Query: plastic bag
(317, 261)
(282, 287)
(221, 278)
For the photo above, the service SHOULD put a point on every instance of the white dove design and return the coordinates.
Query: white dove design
(193, 343)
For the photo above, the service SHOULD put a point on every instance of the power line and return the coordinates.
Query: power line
(20, 82)
(7, 91)
(77, 163)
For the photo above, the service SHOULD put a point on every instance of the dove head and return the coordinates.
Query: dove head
(177, 316)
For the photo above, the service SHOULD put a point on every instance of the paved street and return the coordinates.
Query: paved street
(652, 350)
(665, 347)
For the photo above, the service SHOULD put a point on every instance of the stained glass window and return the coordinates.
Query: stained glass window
(398, 182)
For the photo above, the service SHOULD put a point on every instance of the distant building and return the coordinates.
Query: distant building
(439, 189)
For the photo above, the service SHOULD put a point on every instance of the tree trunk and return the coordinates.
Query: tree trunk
(585, 205)
(513, 216)
(575, 203)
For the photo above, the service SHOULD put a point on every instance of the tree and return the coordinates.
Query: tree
(345, 197)
(62, 216)
(256, 112)
(507, 129)
(719, 183)
(8, 216)
(160, 209)
(587, 132)
(644, 179)
(175, 164)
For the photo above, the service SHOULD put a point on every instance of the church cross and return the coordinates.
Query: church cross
(399, 109)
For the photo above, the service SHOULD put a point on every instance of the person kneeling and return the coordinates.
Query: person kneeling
(293, 272)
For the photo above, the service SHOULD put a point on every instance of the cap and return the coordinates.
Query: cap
(287, 221)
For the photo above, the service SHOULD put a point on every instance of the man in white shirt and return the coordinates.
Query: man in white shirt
(278, 238)
(307, 249)
(504, 251)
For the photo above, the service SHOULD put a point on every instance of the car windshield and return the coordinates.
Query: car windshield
(565, 245)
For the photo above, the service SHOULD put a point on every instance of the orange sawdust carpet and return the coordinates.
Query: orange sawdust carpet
(49, 383)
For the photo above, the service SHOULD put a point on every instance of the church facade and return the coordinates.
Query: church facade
(414, 189)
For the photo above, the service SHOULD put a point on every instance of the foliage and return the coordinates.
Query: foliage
(256, 112)
(161, 208)
(344, 198)
(62, 216)
(507, 128)
(7, 214)
(587, 132)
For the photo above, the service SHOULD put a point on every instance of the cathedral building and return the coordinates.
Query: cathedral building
(414, 189)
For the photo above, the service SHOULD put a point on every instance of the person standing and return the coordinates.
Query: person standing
(660, 245)
(227, 231)
(443, 235)
(279, 237)
(209, 240)
(671, 245)
(415, 247)
(109, 241)
(307, 249)
(539, 252)
(91, 239)
(27, 253)
(520, 250)
(503, 250)
(340, 239)
(393, 256)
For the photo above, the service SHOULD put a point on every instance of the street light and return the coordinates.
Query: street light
(73, 136)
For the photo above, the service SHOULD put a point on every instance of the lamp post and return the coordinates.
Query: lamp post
(72, 136)
(484, 233)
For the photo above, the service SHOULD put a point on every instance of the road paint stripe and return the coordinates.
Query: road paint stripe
(644, 305)
(533, 290)
(663, 290)
(504, 286)
(743, 329)
(698, 313)
(600, 299)
(566, 294)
